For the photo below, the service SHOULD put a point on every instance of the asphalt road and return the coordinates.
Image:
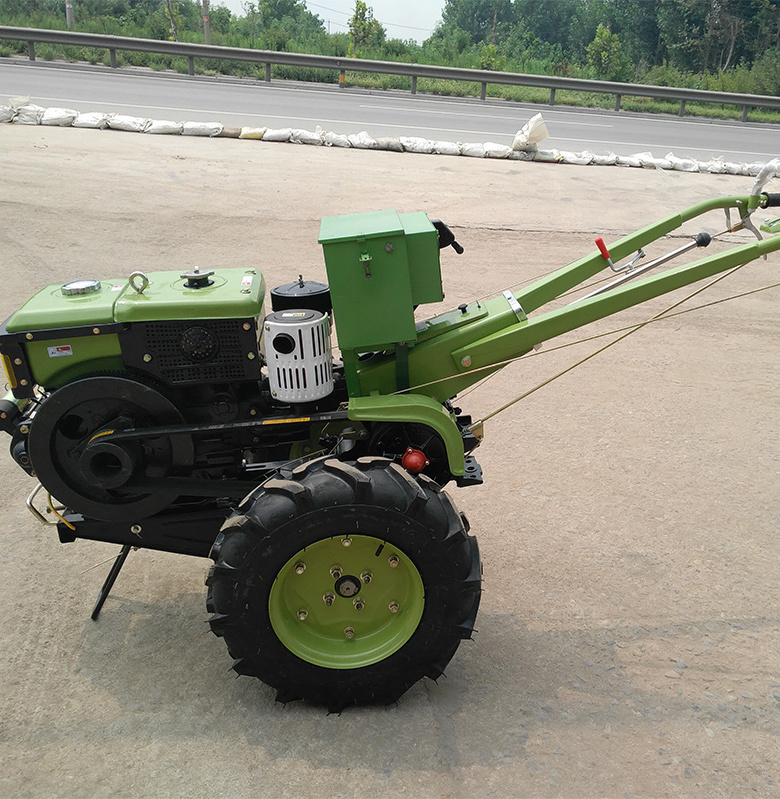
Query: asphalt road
(381, 113)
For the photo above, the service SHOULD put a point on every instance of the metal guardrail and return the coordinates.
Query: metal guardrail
(413, 71)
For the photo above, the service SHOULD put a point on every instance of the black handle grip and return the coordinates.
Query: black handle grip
(770, 200)
(446, 236)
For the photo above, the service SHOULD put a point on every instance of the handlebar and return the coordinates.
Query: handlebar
(446, 236)
(769, 200)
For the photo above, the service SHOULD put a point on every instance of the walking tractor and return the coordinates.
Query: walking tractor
(168, 411)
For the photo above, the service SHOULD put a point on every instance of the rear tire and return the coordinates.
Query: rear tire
(345, 584)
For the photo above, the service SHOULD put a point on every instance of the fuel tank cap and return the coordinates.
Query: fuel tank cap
(76, 287)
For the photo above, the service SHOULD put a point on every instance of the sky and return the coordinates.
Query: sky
(402, 19)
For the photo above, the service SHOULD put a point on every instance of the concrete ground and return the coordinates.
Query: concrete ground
(629, 636)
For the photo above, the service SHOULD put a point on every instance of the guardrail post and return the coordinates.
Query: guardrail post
(618, 97)
(483, 93)
(552, 96)
(112, 57)
(267, 73)
(745, 109)
(31, 51)
(682, 108)
(342, 79)
(414, 84)
(191, 65)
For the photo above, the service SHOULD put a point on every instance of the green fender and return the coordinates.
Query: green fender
(413, 408)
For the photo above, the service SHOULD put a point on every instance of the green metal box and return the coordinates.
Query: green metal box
(380, 266)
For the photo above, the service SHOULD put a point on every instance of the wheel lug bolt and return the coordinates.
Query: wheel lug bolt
(394, 607)
(349, 632)
(335, 572)
(359, 602)
(366, 577)
(345, 542)
(393, 561)
(302, 614)
(328, 599)
(300, 567)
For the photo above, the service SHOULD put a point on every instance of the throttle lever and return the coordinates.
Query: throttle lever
(446, 236)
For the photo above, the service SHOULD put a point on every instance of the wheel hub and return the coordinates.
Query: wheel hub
(356, 620)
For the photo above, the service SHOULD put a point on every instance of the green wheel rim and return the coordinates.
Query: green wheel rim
(346, 602)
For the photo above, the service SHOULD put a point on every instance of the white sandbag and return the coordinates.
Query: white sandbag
(277, 134)
(60, 117)
(754, 169)
(548, 156)
(610, 159)
(417, 144)
(714, 167)
(302, 136)
(7, 113)
(362, 140)
(656, 163)
(252, 133)
(331, 139)
(521, 155)
(682, 164)
(29, 114)
(629, 160)
(580, 159)
(201, 129)
(92, 119)
(164, 126)
(128, 123)
(389, 143)
(534, 131)
(473, 149)
(493, 150)
(446, 148)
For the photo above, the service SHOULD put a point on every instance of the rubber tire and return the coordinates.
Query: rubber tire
(326, 498)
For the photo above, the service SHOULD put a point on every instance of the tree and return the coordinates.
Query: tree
(363, 29)
(605, 56)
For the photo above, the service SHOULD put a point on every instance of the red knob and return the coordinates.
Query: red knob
(602, 248)
(414, 460)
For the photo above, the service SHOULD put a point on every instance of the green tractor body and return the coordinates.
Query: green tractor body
(176, 412)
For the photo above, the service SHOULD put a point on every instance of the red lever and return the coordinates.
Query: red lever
(605, 252)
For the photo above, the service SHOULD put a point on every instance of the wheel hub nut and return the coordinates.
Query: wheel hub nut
(346, 542)
(393, 607)
(359, 602)
(349, 632)
(302, 614)
(366, 577)
(328, 599)
(335, 572)
(300, 567)
(393, 561)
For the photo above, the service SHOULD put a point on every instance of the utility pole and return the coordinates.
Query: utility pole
(206, 23)
(69, 14)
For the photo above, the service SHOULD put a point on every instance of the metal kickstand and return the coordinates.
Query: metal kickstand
(110, 580)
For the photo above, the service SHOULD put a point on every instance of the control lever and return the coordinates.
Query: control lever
(446, 236)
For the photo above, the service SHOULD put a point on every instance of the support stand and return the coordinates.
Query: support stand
(110, 580)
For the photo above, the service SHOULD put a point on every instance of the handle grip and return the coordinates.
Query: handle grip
(603, 248)
(770, 200)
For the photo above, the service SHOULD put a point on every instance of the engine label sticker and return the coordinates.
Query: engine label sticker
(59, 352)
(246, 280)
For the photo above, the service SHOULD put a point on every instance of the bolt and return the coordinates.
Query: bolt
(24, 429)
(393, 561)
(328, 599)
(96, 331)
(246, 326)
(366, 577)
(251, 356)
(349, 632)
(23, 382)
(465, 361)
(393, 606)
(300, 567)
(136, 529)
(18, 361)
(335, 572)
(389, 247)
(29, 336)
(345, 542)
(302, 614)
(253, 412)
(359, 602)
(147, 358)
